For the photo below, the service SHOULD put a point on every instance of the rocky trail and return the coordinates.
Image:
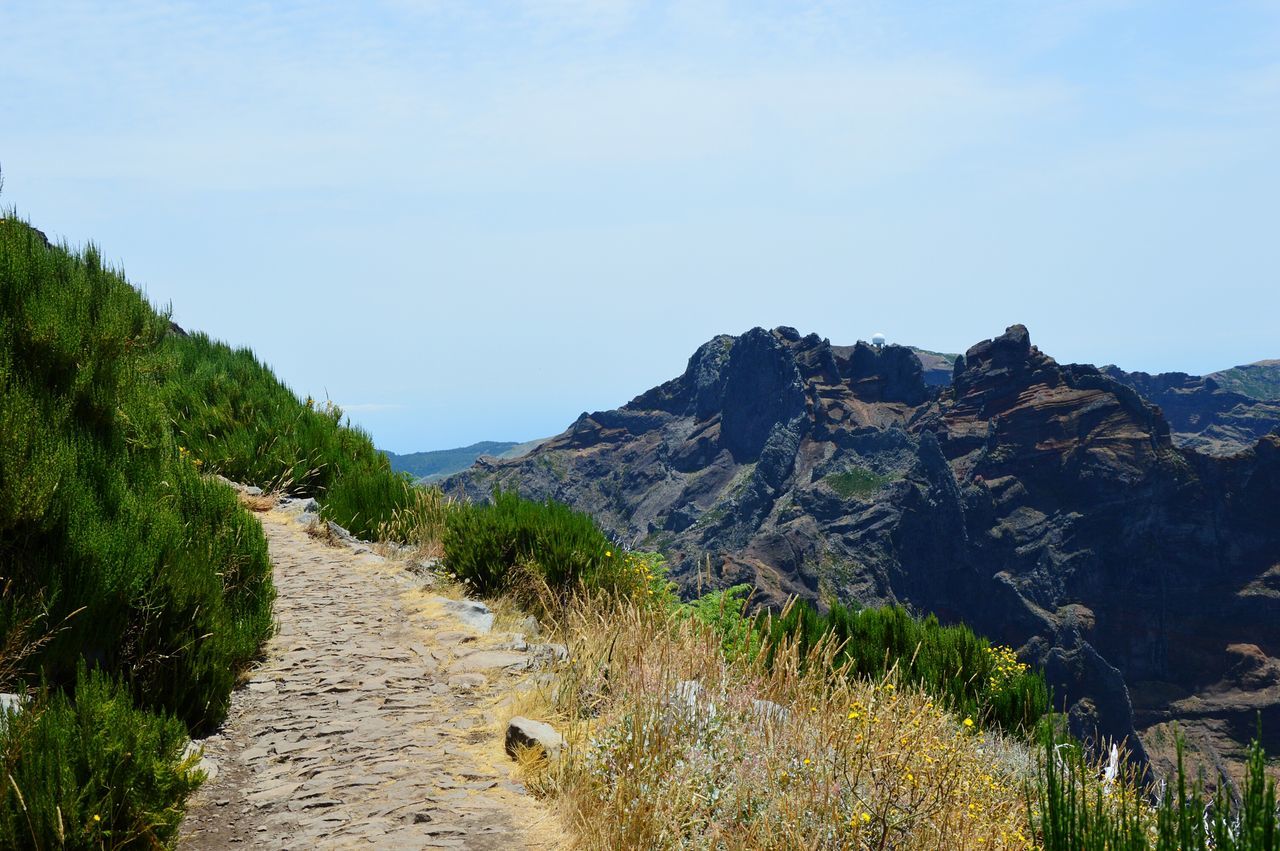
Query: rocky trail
(374, 720)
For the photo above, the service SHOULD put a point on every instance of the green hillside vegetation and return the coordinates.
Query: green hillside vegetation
(855, 483)
(973, 677)
(431, 467)
(1259, 380)
(135, 587)
(239, 420)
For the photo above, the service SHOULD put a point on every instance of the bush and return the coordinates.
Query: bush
(93, 772)
(974, 678)
(489, 545)
(726, 613)
(108, 530)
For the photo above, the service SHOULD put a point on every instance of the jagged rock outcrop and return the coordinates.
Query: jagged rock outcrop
(1049, 506)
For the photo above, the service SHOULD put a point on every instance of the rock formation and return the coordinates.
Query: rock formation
(1202, 413)
(1047, 505)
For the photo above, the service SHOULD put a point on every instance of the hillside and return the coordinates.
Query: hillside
(1042, 503)
(136, 588)
(434, 465)
(1259, 380)
(379, 704)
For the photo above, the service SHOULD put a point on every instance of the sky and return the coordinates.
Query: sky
(470, 221)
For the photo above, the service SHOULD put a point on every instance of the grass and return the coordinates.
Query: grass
(1070, 810)
(694, 725)
(797, 754)
(855, 483)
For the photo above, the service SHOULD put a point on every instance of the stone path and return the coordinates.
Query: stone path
(373, 721)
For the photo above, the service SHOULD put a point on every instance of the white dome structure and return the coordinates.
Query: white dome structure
(878, 340)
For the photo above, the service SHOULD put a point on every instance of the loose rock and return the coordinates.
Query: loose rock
(525, 733)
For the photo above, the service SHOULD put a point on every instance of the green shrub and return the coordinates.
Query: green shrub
(90, 773)
(108, 530)
(973, 677)
(726, 613)
(490, 545)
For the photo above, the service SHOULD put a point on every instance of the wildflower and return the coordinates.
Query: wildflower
(97, 817)
(968, 722)
(866, 817)
(608, 553)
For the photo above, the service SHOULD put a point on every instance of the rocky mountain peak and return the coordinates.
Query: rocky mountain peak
(1044, 504)
(762, 388)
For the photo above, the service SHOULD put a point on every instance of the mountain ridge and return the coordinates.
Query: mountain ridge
(1044, 503)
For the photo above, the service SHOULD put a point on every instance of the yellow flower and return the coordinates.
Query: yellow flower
(968, 722)
(866, 817)
(97, 817)
(806, 760)
(608, 553)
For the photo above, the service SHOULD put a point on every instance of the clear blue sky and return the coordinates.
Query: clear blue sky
(467, 220)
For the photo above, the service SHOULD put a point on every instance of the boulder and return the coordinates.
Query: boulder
(524, 733)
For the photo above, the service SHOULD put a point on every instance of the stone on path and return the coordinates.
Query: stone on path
(472, 613)
(527, 733)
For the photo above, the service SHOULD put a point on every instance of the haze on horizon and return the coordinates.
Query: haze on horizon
(467, 221)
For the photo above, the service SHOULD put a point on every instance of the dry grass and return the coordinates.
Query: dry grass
(793, 757)
(321, 531)
(259, 503)
(421, 524)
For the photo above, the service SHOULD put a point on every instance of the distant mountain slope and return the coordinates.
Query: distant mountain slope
(1203, 414)
(937, 366)
(1259, 380)
(1046, 505)
(436, 464)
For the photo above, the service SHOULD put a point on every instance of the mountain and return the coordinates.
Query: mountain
(1203, 413)
(1046, 505)
(437, 464)
(1259, 380)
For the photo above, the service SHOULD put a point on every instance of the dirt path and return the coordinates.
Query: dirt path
(373, 721)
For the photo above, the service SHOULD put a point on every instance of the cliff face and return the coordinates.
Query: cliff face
(1047, 505)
